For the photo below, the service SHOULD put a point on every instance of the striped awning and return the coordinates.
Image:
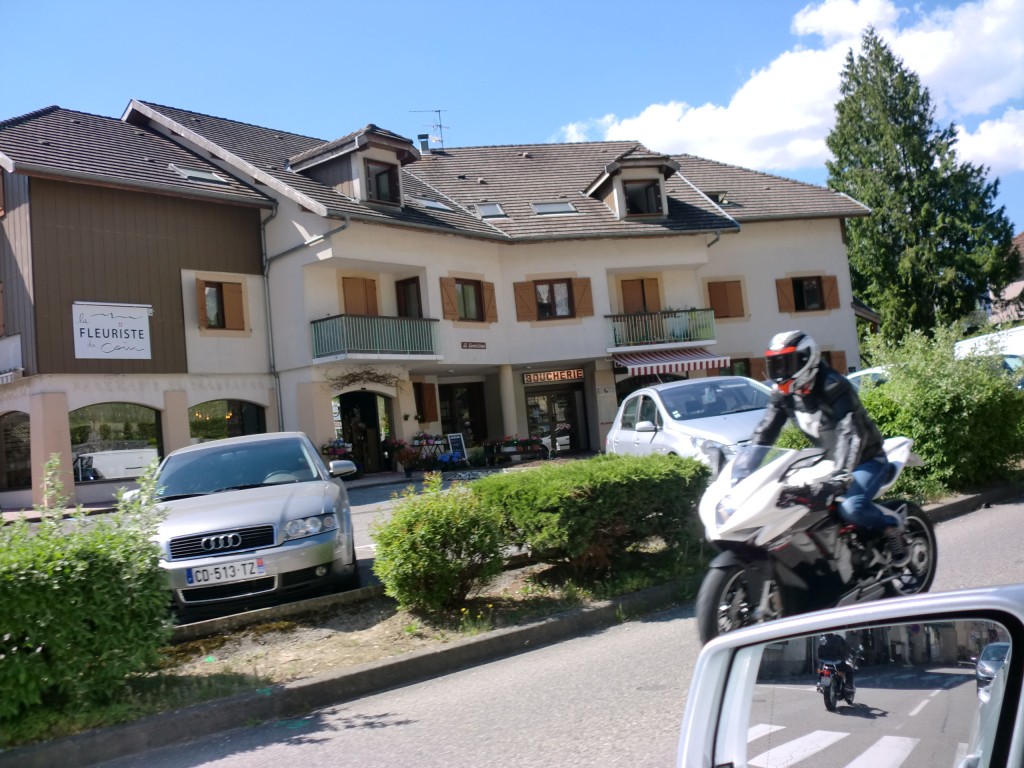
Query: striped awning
(669, 361)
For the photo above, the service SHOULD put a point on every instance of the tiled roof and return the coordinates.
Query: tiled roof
(756, 196)
(64, 143)
(517, 175)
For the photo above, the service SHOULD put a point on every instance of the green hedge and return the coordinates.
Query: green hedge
(590, 512)
(85, 605)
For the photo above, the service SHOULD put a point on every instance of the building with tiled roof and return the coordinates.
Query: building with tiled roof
(397, 287)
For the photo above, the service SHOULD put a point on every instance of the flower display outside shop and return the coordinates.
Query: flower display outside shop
(336, 448)
(425, 438)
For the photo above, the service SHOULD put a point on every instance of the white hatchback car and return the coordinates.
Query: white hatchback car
(689, 418)
(251, 518)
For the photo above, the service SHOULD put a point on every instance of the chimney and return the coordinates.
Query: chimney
(424, 143)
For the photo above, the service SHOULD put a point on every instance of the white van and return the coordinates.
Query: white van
(113, 465)
(1008, 342)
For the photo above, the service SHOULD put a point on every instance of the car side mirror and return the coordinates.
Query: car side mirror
(645, 426)
(749, 701)
(342, 468)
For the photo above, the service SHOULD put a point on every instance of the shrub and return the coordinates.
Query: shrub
(85, 604)
(966, 416)
(476, 456)
(437, 546)
(590, 512)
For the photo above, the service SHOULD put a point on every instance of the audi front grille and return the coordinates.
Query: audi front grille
(221, 542)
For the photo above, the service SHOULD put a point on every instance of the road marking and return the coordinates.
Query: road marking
(762, 729)
(916, 710)
(794, 751)
(961, 753)
(887, 752)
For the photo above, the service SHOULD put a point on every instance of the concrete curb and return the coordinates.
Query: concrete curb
(301, 696)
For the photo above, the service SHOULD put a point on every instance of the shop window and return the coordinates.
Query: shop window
(726, 298)
(15, 451)
(738, 366)
(113, 441)
(217, 419)
(643, 198)
(220, 304)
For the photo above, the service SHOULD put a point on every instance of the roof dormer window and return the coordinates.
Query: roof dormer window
(643, 197)
(382, 182)
(490, 211)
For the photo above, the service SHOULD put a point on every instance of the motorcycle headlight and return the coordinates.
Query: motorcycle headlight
(309, 526)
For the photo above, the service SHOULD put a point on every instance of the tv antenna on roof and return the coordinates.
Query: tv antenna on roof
(435, 126)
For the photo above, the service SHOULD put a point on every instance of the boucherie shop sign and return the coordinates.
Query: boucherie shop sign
(111, 331)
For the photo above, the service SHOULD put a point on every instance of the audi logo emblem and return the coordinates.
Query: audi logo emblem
(221, 541)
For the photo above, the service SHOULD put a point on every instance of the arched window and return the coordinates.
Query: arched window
(217, 419)
(15, 453)
(113, 441)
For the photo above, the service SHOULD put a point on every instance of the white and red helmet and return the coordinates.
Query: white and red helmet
(791, 360)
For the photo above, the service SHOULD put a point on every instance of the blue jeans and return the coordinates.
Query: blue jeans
(857, 507)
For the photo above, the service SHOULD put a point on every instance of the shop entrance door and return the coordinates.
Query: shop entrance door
(561, 414)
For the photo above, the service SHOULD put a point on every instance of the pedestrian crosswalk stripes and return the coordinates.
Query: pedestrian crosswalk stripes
(882, 752)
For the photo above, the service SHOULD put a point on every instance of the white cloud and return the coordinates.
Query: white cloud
(971, 59)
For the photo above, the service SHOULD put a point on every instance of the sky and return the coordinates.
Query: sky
(748, 82)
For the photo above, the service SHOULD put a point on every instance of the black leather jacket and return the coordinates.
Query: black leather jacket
(832, 417)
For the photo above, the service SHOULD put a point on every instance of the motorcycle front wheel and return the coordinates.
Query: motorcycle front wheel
(919, 537)
(726, 601)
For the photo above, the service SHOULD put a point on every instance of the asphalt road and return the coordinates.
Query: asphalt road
(612, 698)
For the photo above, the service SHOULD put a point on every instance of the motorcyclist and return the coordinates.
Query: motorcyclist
(832, 647)
(825, 407)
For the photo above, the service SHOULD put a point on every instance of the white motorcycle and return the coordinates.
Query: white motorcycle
(782, 555)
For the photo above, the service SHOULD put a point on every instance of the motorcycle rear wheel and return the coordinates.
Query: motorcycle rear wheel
(725, 602)
(831, 694)
(919, 536)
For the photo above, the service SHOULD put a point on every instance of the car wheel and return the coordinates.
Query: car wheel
(350, 580)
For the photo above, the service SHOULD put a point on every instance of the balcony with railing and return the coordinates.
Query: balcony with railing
(667, 329)
(372, 335)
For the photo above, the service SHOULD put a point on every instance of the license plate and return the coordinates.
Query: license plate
(220, 574)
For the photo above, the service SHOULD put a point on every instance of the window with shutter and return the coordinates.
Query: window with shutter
(807, 294)
(726, 298)
(220, 305)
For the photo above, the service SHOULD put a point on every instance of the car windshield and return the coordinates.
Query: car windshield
(995, 652)
(713, 397)
(234, 467)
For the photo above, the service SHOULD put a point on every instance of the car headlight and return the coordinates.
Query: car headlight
(309, 526)
(704, 445)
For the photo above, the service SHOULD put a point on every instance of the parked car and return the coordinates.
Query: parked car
(689, 418)
(991, 660)
(563, 437)
(253, 518)
(748, 702)
(871, 376)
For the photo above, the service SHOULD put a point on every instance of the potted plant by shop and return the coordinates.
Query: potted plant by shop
(409, 459)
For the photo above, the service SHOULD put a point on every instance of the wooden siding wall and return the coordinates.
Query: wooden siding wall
(98, 244)
(16, 268)
(337, 174)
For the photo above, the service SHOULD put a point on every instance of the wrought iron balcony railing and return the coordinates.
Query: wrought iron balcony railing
(371, 334)
(672, 326)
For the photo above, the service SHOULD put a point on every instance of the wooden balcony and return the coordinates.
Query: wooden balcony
(373, 335)
(670, 328)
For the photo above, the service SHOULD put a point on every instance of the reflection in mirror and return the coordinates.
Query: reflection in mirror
(878, 697)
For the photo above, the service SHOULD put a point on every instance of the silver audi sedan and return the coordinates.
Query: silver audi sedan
(250, 519)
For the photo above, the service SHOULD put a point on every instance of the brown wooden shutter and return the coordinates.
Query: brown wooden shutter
(839, 361)
(758, 370)
(360, 295)
(718, 296)
(490, 303)
(449, 299)
(429, 401)
(830, 289)
(734, 297)
(652, 297)
(784, 293)
(234, 315)
(582, 296)
(526, 301)
(204, 321)
(633, 297)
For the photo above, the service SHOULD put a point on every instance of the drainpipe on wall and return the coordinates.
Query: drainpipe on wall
(718, 236)
(267, 261)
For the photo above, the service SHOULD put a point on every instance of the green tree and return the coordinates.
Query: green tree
(934, 243)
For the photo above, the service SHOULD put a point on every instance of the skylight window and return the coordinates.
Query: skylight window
(434, 205)
(549, 209)
(490, 210)
(191, 174)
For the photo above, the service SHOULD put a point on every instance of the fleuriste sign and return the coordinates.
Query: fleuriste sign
(111, 331)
